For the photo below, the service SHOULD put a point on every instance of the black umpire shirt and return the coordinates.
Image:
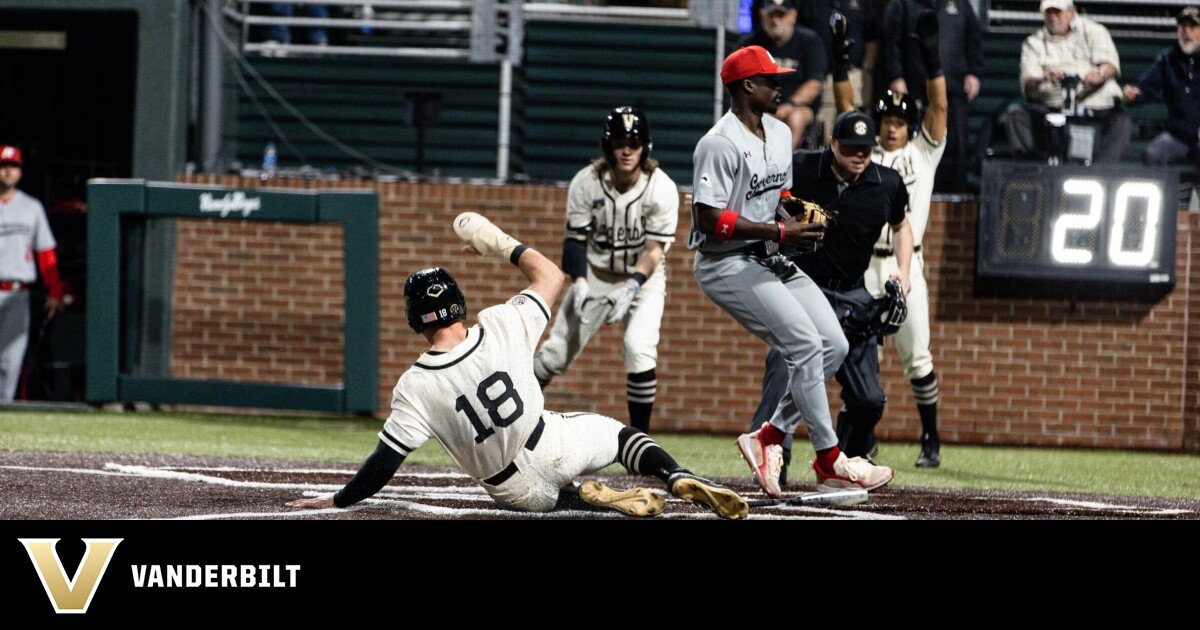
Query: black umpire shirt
(876, 198)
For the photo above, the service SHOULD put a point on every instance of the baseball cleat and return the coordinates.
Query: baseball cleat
(631, 502)
(931, 455)
(765, 461)
(725, 502)
(852, 471)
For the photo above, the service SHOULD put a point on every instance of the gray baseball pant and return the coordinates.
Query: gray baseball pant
(793, 317)
(14, 337)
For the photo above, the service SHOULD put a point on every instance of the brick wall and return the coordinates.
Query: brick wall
(1012, 371)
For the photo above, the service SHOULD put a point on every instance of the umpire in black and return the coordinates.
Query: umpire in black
(865, 196)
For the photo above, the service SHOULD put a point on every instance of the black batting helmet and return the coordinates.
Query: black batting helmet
(626, 122)
(432, 298)
(897, 104)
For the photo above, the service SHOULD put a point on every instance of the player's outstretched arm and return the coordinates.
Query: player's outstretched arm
(935, 86)
(485, 238)
(371, 477)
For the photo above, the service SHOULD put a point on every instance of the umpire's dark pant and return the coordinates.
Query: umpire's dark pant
(862, 394)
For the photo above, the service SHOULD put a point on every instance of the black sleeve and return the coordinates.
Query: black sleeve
(899, 201)
(575, 258)
(371, 477)
(891, 48)
(974, 37)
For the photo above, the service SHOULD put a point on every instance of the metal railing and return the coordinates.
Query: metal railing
(1134, 18)
(478, 30)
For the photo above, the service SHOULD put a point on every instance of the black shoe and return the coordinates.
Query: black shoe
(931, 454)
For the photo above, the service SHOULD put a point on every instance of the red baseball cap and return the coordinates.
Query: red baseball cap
(10, 155)
(749, 61)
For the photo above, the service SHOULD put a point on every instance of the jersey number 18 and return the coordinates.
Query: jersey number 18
(492, 405)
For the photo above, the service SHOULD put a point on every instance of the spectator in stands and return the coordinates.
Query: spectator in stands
(1174, 78)
(863, 32)
(282, 34)
(1069, 45)
(961, 49)
(792, 47)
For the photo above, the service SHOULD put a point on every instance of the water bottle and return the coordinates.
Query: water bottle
(368, 13)
(270, 161)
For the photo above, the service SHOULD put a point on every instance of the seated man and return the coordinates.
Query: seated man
(795, 47)
(1069, 48)
(1173, 78)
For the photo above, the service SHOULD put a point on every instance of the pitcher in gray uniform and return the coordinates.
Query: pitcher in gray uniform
(742, 165)
(24, 238)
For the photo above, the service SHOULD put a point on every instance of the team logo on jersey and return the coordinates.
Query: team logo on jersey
(231, 202)
(73, 595)
(860, 128)
(628, 120)
(517, 301)
(435, 290)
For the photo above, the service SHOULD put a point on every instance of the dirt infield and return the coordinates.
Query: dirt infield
(54, 486)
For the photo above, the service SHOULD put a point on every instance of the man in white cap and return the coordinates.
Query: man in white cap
(1069, 46)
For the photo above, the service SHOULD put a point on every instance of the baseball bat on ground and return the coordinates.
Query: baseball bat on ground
(849, 496)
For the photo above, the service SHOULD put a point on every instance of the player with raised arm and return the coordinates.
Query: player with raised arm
(914, 149)
(474, 391)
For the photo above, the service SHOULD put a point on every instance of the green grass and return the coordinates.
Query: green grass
(350, 440)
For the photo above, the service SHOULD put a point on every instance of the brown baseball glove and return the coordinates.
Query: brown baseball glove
(806, 211)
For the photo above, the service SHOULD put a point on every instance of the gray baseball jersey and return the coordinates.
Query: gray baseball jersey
(24, 231)
(738, 171)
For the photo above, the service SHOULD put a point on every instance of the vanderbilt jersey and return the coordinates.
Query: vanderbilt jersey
(917, 164)
(616, 225)
(480, 400)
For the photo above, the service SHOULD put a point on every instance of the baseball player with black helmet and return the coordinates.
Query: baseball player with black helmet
(474, 391)
(622, 210)
(914, 149)
(25, 240)
(742, 166)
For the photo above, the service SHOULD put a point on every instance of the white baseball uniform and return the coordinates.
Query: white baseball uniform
(615, 226)
(482, 402)
(917, 163)
(24, 231)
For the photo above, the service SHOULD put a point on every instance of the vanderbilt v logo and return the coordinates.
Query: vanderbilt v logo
(74, 596)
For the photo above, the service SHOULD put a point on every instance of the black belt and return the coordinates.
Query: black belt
(839, 284)
(884, 252)
(511, 469)
(761, 249)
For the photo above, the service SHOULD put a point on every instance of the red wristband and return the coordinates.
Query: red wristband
(781, 230)
(725, 224)
(785, 194)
